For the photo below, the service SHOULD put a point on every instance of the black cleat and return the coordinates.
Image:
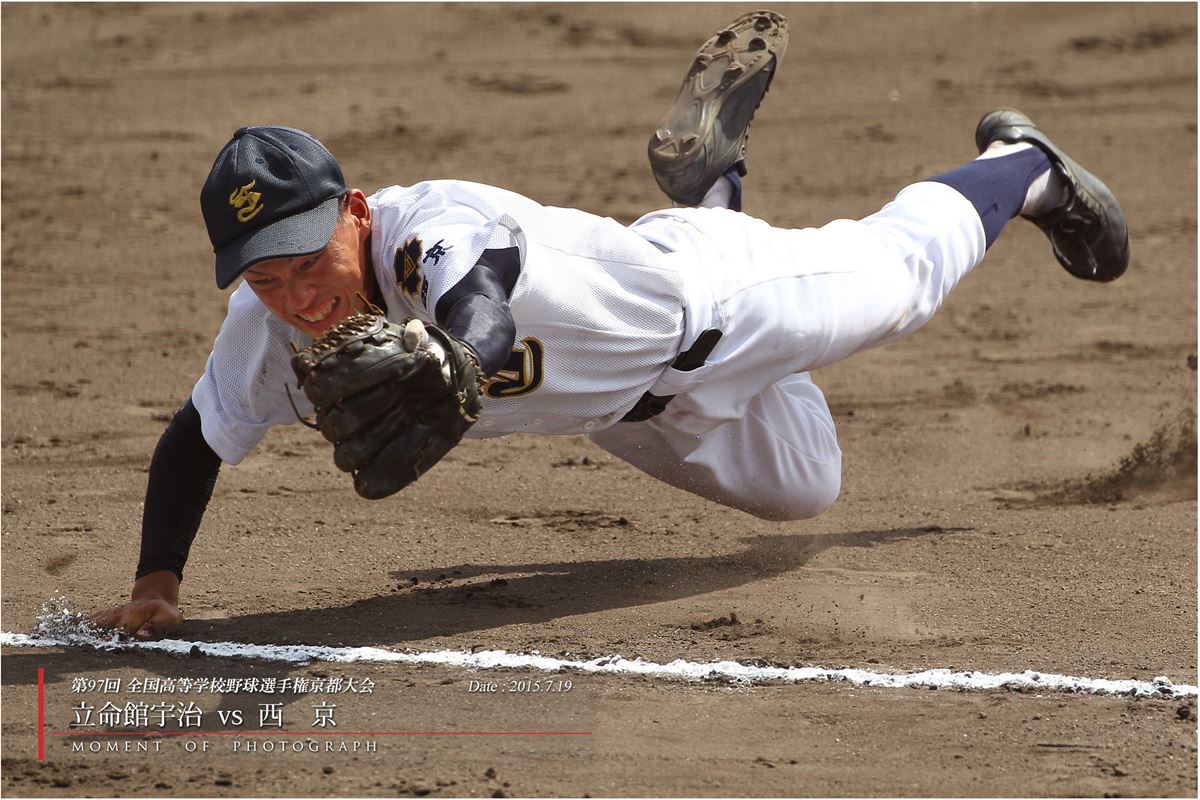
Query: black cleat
(1087, 231)
(705, 132)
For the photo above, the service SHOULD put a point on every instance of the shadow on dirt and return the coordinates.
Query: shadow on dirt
(467, 597)
(451, 600)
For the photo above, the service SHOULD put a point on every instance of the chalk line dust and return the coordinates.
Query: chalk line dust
(1160, 687)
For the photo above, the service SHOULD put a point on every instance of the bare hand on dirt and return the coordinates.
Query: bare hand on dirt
(151, 611)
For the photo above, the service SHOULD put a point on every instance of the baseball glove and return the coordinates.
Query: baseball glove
(393, 399)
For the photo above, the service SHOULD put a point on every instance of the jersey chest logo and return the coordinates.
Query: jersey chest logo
(521, 374)
(408, 270)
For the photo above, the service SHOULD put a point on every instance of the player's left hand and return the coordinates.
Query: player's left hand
(152, 610)
(392, 398)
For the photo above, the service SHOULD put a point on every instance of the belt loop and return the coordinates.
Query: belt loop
(651, 405)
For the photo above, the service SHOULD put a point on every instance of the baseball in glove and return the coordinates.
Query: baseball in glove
(393, 399)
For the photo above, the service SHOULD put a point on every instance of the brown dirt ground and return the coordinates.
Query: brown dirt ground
(1020, 478)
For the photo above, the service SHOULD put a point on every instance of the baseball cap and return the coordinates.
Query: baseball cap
(273, 192)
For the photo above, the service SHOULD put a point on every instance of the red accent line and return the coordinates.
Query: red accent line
(41, 723)
(321, 733)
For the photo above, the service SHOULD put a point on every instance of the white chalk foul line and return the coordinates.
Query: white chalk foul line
(1160, 687)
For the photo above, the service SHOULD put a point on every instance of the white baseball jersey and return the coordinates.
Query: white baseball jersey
(598, 312)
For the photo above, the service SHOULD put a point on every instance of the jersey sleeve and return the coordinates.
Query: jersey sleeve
(431, 238)
(245, 386)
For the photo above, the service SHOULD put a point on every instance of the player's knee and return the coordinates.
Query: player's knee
(809, 498)
(811, 502)
(822, 496)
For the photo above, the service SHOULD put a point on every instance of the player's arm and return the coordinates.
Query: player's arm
(183, 472)
(476, 309)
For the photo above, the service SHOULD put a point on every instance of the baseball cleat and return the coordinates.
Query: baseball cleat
(704, 134)
(1088, 231)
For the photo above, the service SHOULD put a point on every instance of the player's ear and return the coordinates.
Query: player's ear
(360, 212)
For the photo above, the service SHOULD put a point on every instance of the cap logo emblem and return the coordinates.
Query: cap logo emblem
(246, 202)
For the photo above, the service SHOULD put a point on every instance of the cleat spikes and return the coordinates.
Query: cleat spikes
(705, 132)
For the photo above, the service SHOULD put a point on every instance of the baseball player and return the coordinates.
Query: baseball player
(682, 343)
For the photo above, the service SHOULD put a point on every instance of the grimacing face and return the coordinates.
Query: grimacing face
(315, 292)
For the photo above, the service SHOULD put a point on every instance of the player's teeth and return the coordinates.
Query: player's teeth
(319, 315)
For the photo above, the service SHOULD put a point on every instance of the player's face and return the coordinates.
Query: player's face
(315, 292)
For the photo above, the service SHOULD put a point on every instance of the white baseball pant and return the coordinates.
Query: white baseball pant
(756, 434)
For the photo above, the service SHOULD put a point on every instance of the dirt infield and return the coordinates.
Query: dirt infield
(1020, 477)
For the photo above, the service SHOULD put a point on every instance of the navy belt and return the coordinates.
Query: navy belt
(651, 405)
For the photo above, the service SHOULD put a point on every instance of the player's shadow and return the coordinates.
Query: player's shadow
(464, 598)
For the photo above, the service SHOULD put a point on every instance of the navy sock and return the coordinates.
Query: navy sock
(735, 201)
(997, 186)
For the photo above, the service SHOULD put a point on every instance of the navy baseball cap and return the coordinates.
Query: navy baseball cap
(273, 192)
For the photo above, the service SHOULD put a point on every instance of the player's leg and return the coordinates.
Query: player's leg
(780, 460)
(795, 300)
(791, 301)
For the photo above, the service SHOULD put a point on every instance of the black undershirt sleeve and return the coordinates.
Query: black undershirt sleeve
(183, 473)
(476, 309)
